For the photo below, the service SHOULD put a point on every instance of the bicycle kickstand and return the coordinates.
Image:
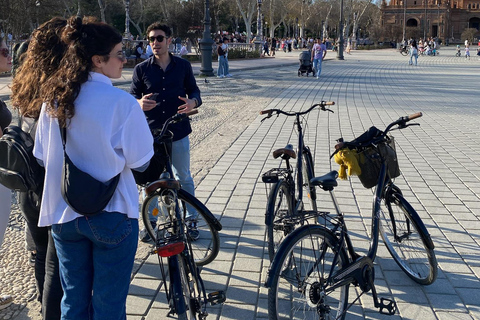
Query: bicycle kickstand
(386, 306)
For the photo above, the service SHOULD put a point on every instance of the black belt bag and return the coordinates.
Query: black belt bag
(82, 192)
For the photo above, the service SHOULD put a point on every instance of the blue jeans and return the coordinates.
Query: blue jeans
(181, 169)
(317, 66)
(96, 257)
(221, 66)
(225, 66)
(411, 57)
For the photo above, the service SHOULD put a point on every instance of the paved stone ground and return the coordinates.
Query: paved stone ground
(440, 178)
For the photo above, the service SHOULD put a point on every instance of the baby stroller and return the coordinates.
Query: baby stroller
(305, 63)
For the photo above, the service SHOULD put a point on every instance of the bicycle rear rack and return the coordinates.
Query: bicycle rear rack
(168, 242)
(272, 175)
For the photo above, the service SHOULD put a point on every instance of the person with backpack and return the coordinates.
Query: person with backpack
(41, 61)
(5, 194)
(319, 51)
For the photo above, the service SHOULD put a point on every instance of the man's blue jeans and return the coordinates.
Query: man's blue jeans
(181, 169)
(96, 257)
(221, 66)
(225, 66)
(317, 66)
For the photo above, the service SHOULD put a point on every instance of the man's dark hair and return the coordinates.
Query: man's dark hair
(160, 26)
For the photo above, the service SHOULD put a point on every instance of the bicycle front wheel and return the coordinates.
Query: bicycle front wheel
(407, 239)
(300, 288)
(206, 247)
(278, 216)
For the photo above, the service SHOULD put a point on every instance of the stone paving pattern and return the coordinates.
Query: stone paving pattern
(440, 177)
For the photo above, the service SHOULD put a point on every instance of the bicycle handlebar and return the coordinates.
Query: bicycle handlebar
(173, 119)
(270, 112)
(414, 116)
(401, 123)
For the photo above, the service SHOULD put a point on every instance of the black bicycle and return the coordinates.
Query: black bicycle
(205, 241)
(285, 206)
(166, 201)
(404, 50)
(310, 275)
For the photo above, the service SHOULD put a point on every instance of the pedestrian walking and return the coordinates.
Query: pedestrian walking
(226, 67)
(171, 78)
(221, 60)
(467, 51)
(107, 136)
(319, 51)
(413, 53)
(274, 46)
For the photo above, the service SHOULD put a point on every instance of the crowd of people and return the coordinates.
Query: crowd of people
(63, 84)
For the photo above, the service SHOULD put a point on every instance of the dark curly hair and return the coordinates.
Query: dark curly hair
(37, 64)
(159, 26)
(84, 39)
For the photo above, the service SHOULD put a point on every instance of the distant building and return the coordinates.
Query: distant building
(443, 19)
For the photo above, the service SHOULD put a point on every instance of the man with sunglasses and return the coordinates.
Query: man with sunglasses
(164, 85)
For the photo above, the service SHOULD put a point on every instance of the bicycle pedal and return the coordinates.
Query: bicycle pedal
(389, 305)
(216, 297)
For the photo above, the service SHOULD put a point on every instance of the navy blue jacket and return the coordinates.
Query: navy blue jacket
(177, 80)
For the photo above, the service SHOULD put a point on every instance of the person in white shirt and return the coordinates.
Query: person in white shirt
(107, 135)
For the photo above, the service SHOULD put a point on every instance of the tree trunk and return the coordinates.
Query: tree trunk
(102, 6)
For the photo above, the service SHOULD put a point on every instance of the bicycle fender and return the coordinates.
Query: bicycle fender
(415, 217)
(270, 203)
(209, 217)
(276, 265)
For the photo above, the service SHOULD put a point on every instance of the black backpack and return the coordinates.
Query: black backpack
(19, 170)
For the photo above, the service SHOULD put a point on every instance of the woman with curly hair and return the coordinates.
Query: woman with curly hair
(42, 57)
(107, 135)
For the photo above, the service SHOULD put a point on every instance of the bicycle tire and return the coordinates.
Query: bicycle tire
(295, 290)
(404, 53)
(414, 252)
(205, 249)
(279, 207)
(308, 174)
(186, 306)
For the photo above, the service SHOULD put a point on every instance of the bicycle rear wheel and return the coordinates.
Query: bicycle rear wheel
(308, 174)
(279, 209)
(204, 249)
(300, 288)
(407, 239)
(186, 295)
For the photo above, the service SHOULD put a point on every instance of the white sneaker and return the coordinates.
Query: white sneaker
(229, 75)
(222, 76)
(5, 301)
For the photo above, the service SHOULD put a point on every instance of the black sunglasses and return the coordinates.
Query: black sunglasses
(4, 52)
(158, 38)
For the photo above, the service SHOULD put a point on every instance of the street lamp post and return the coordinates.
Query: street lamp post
(206, 44)
(404, 19)
(340, 32)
